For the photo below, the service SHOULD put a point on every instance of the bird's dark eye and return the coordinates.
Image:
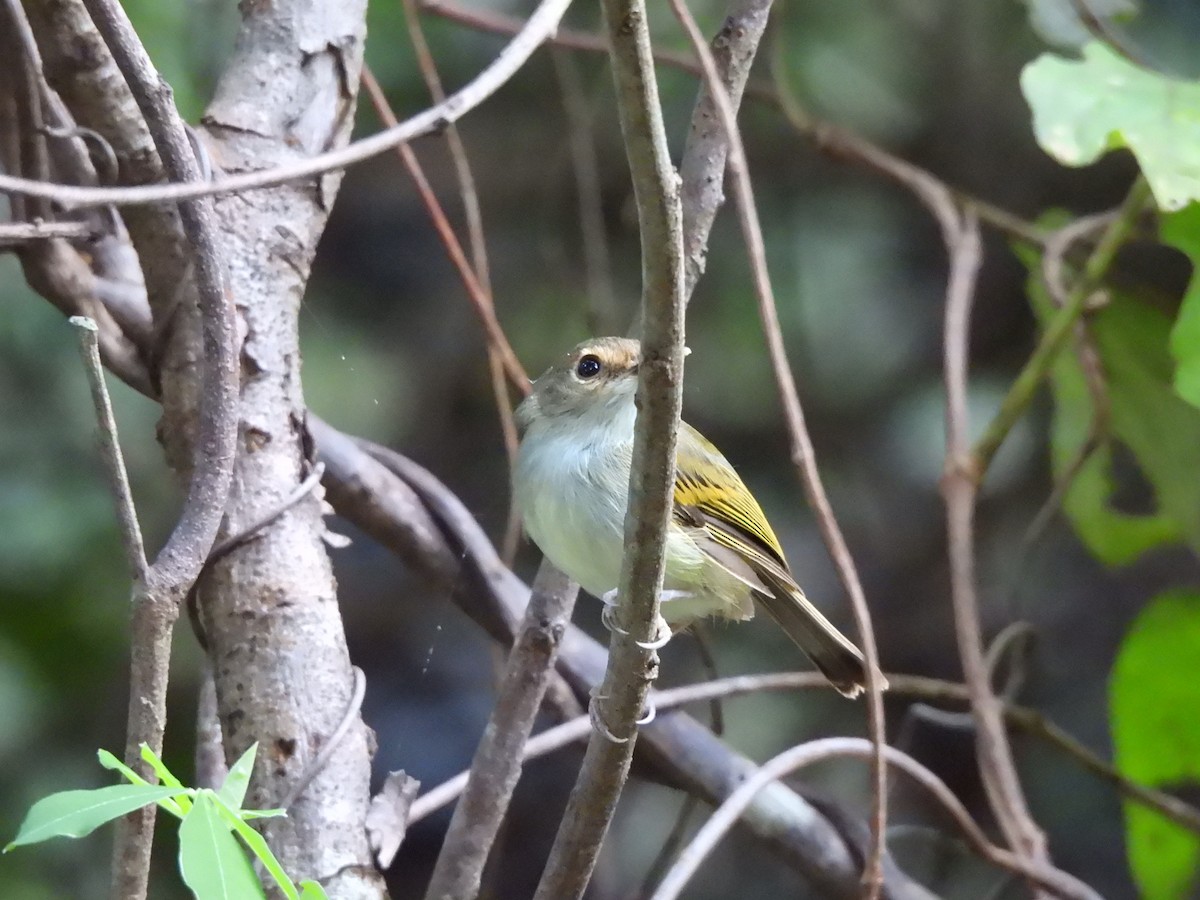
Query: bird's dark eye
(588, 367)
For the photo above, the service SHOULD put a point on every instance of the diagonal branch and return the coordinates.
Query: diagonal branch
(803, 454)
(537, 29)
(498, 758)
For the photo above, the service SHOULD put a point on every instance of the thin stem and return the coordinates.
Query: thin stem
(498, 759)
(157, 600)
(814, 751)
(110, 449)
(1058, 332)
(632, 665)
(479, 295)
(537, 29)
(803, 454)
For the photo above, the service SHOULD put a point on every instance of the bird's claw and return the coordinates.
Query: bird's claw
(598, 721)
(662, 635)
(609, 599)
(649, 715)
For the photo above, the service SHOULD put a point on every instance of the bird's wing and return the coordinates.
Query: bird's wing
(713, 497)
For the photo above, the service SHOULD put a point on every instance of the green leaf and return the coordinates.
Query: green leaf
(257, 845)
(1182, 230)
(211, 861)
(78, 813)
(160, 768)
(311, 890)
(177, 805)
(1153, 698)
(1147, 416)
(1084, 108)
(233, 791)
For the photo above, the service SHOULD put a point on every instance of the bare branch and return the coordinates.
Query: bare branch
(803, 454)
(959, 486)
(832, 140)
(632, 664)
(703, 166)
(15, 234)
(805, 754)
(158, 598)
(110, 450)
(541, 24)
(498, 759)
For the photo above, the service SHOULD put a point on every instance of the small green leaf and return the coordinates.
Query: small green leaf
(112, 763)
(78, 813)
(160, 768)
(1182, 231)
(1153, 697)
(211, 861)
(249, 814)
(1084, 108)
(233, 791)
(257, 845)
(176, 806)
(311, 890)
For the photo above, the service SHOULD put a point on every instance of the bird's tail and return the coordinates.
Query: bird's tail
(830, 650)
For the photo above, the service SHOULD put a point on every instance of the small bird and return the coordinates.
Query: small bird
(571, 484)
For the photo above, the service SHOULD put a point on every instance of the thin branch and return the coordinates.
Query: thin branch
(996, 764)
(110, 449)
(498, 759)
(158, 598)
(17, 234)
(480, 296)
(803, 454)
(929, 690)
(632, 664)
(330, 745)
(1058, 331)
(834, 141)
(702, 168)
(814, 751)
(539, 26)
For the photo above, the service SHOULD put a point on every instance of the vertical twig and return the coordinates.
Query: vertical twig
(959, 485)
(499, 758)
(158, 598)
(110, 449)
(631, 666)
(703, 165)
(802, 450)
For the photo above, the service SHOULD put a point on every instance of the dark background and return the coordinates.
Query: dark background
(393, 352)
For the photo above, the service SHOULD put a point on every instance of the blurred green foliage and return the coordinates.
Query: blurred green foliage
(1154, 695)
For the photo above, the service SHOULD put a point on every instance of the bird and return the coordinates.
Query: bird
(571, 482)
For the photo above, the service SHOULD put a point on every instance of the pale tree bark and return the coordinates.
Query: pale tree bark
(269, 608)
